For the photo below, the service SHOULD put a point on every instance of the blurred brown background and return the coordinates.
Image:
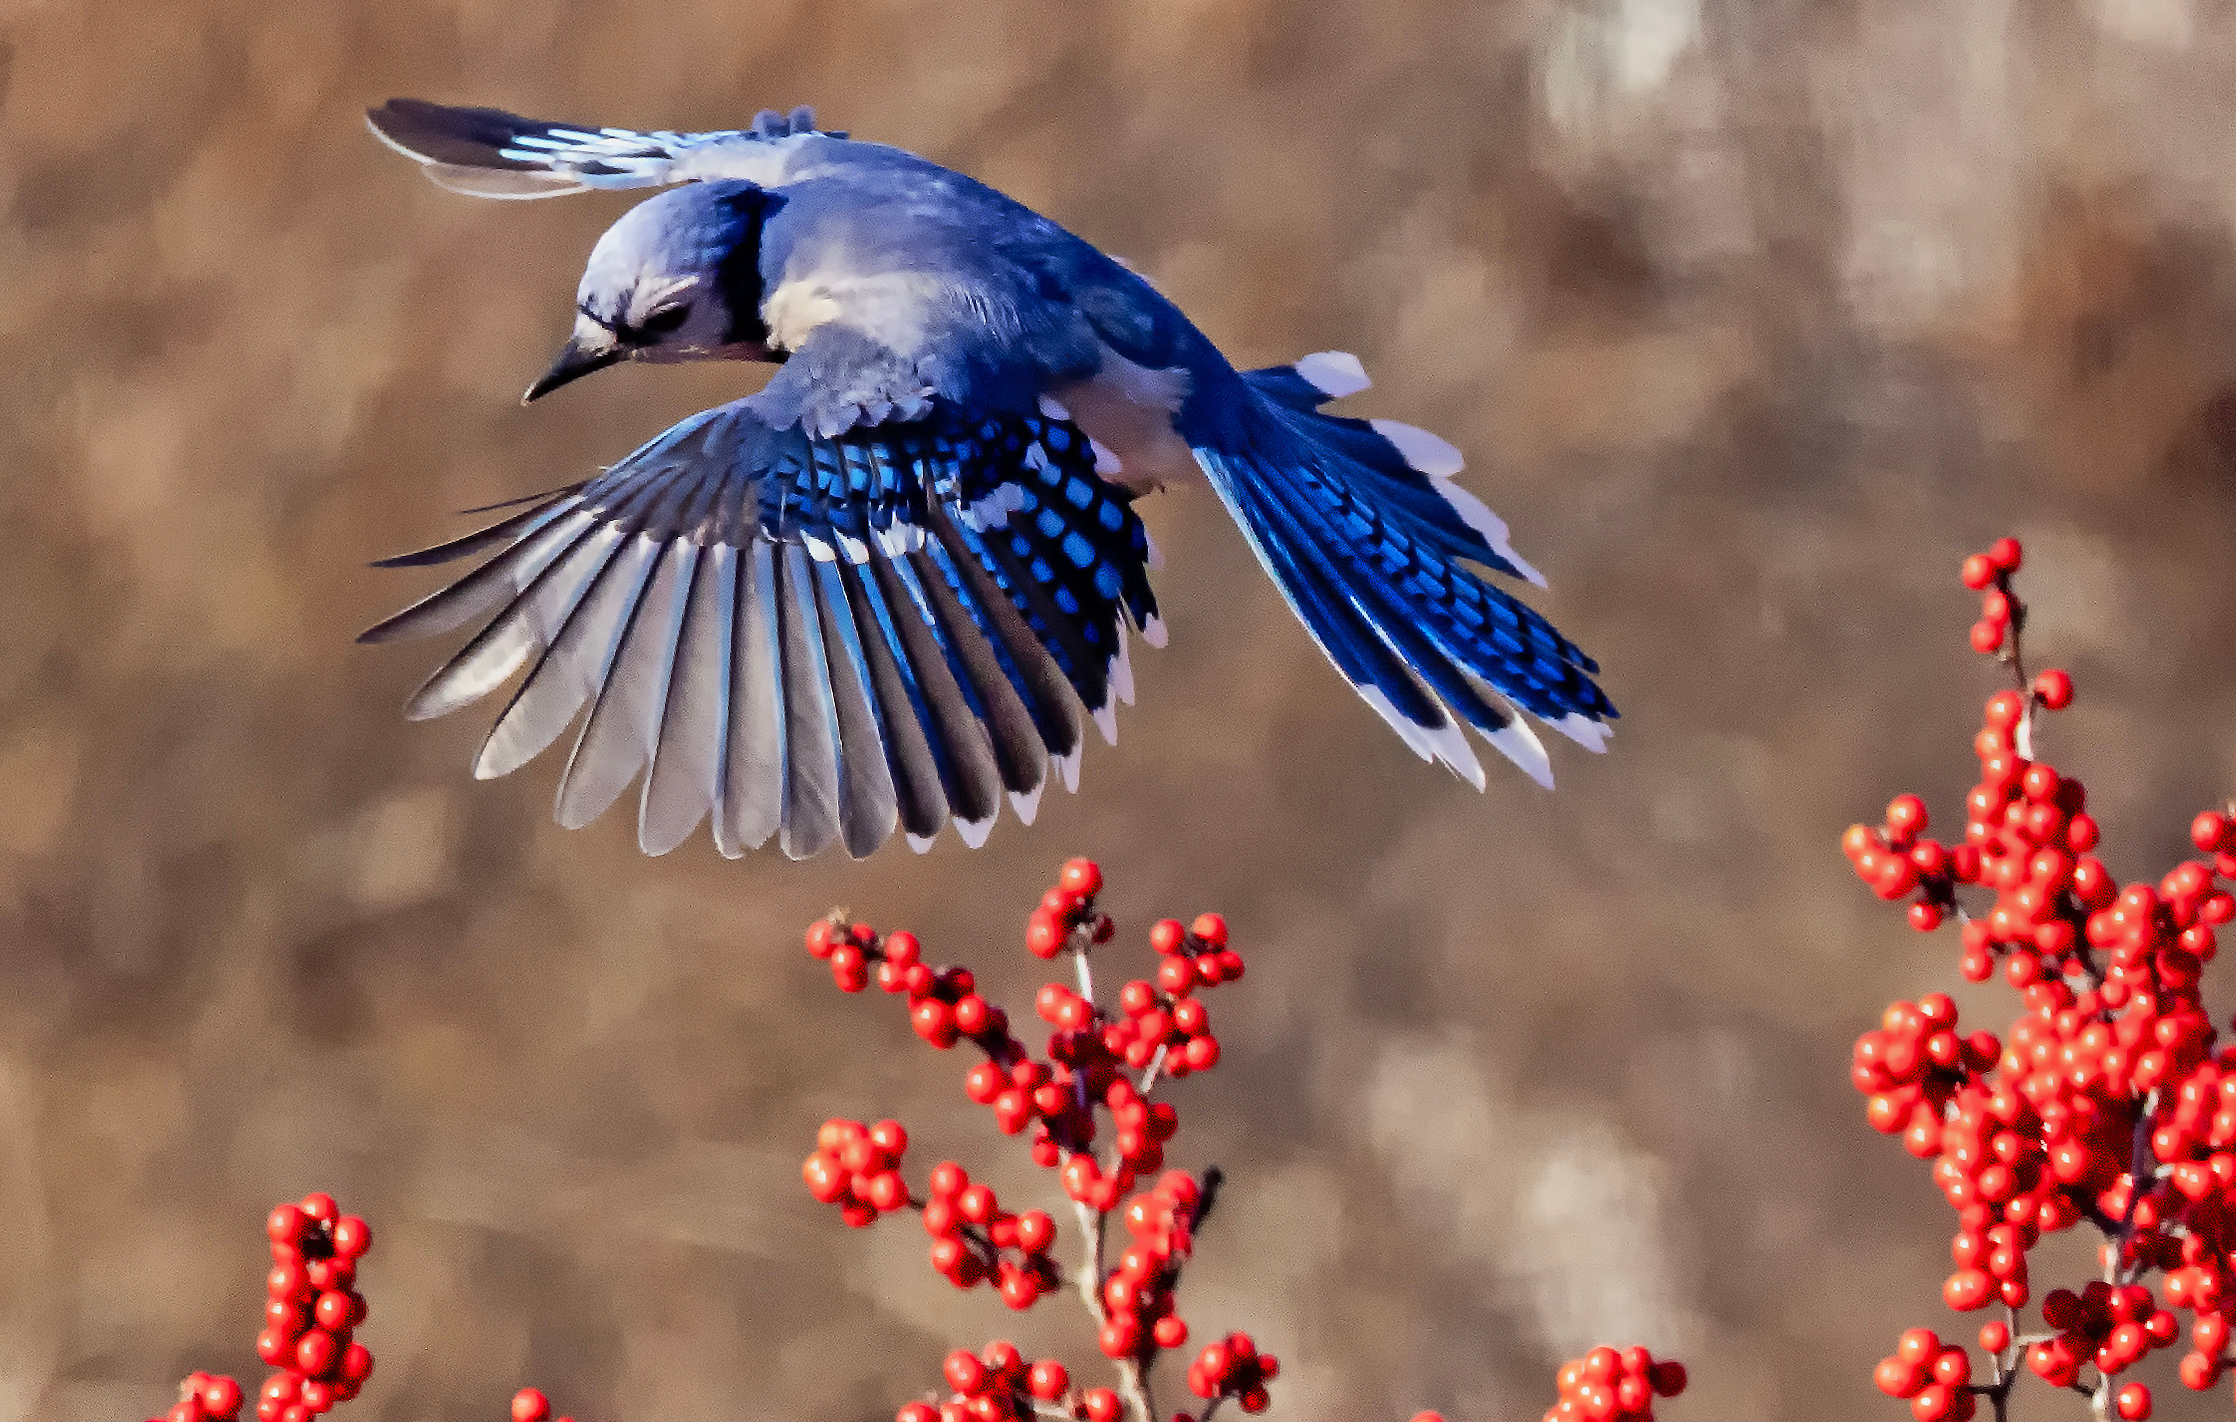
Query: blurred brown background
(1753, 315)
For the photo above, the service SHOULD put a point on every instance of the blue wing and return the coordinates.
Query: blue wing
(491, 153)
(810, 638)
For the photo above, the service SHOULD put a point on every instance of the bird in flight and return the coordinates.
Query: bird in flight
(893, 585)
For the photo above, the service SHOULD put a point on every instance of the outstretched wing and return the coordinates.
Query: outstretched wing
(811, 638)
(491, 153)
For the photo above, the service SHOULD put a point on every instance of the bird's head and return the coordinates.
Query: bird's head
(677, 278)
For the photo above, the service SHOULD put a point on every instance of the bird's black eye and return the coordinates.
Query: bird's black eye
(666, 319)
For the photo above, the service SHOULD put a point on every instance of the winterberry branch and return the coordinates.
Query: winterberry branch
(1096, 1065)
(2106, 1101)
(1089, 1068)
(310, 1321)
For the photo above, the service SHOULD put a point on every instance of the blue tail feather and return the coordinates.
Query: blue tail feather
(1368, 551)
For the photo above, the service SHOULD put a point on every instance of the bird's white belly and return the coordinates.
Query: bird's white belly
(1128, 409)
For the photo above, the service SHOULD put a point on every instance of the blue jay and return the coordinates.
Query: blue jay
(885, 588)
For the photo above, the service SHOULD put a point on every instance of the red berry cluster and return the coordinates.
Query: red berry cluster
(205, 1398)
(1163, 1021)
(1934, 1376)
(974, 1239)
(1233, 1367)
(1094, 1063)
(313, 1311)
(1610, 1386)
(997, 1385)
(1989, 574)
(313, 1308)
(857, 1168)
(2112, 1327)
(1068, 910)
(1137, 1295)
(2106, 1101)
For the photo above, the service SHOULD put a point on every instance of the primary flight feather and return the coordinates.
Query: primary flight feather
(893, 586)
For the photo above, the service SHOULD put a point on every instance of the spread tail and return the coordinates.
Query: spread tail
(1365, 534)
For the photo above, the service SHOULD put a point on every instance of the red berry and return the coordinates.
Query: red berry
(1212, 929)
(2133, 1402)
(2209, 831)
(316, 1352)
(1667, 1377)
(1048, 1380)
(1919, 1346)
(1045, 934)
(825, 1178)
(1897, 1378)
(2005, 554)
(1906, 815)
(1101, 1404)
(1119, 1338)
(221, 1397)
(2054, 689)
(1977, 572)
(965, 1371)
(1169, 1331)
(319, 1205)
(2199, 1371)
(285, 1224)
(529, 1405)
(1986, 637)
(352, 1237)
(887, 1191)
(1082, 877)
(333, 1311)
(976, 1203)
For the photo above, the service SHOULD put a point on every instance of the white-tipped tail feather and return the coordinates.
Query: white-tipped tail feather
(1432, 455)
(1334, 374)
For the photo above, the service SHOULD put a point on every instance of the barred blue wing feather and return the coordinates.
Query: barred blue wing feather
(812, 640)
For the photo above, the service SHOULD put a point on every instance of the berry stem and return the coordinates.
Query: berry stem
(1149, 1072)
(2013, 656)
(2139, 1167)
(1081, 966)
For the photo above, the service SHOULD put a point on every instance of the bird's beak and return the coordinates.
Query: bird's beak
(584, 352)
